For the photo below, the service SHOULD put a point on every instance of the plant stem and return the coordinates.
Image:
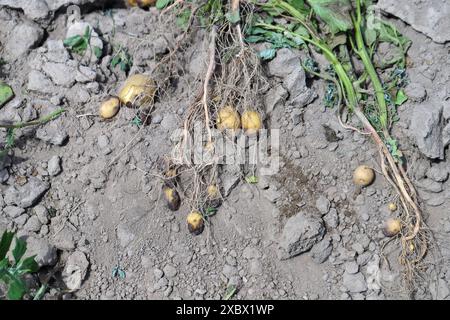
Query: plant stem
(365, 58)
(41, 121)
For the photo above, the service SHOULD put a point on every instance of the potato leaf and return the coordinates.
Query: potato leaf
(267, 54)
(5, 243)
(335, 13)
(400, 98)
(19, 250)
(16, 289)
(6, 94)
(161, 4)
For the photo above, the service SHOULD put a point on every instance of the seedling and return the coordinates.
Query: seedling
(6, 93)
(80, 43)
(122, 58)
(13, 272)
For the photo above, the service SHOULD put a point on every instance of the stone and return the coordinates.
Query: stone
(53, 133)
(85, 74)
(75, 270)
(255, 267)
(272, 194)
(54, 166)
(170, 271)
(351, 267)
(156, 119)
(36, 9)
(300, 233)
(427, 129)
(322, 250)
(430, 185)
(416, 92)
(274, 97)
(45, 253)
(64, 239)
(56, 52)
(429, 17)
(33, 224)
(24, 36)
(158, 273)
(438, 172)
(355, 283)
(13, 211)
(39, 82)
(21, 220)
(323, 205)
(27, 195)
(60, 73)
(331, 218)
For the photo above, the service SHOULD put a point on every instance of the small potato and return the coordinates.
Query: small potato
(109, 108)
(363, 176)
(138, 90)
(251, 122)
(392, 206)
(392, 227)
(213, 191)
(172, 198)
(228, 118)
(141, 3)
(195, 222)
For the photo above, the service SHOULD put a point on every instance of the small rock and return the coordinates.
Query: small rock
(53, 133)
(351, 267)
(322, 250)
(24, 37)
(170, 271)
(45, 253)
(27, 195)
(54, 166)
(416, 92)
(299, 234)
(158, 273)
(156, 119)
(323, 205)
(256, 267)
(60, 73)
(21, 220)
(251, 253)
(331, 218)
(430, 185)
(33, 224)
(427, 130)
(13, 211)
(75, 270)
(355, 283)
(37, 81)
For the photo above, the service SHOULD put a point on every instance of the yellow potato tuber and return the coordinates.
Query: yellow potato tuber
(228, 118)
(195, 222)
(363, 176)
(109, 108)
(138, 90)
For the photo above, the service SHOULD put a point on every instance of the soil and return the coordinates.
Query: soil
(106, 201)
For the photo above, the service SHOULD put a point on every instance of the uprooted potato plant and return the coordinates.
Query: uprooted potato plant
(228, 98)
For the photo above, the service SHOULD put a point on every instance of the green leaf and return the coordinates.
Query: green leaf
(6, 94)
(73, 41)
(400, 98)
(98, 52)
(16, 289)
(255, 39)
(115, 61)
(5, 243)
(267, 54)
(370, 36)
(251, 179)
(19, 250)
(233, 17)
(183, 18)
(28, 265)
(335, 13)
(231, 290)
(161, 4)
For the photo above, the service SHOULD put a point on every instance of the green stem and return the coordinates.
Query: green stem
(41, 121)
(365, 58)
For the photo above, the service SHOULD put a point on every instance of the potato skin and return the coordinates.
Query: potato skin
(172, 197)
(392, 227)
(251, 122)
(228, 118)
(109, 108)
(141, 3)
(138, 90)
(195, 223)
(363, 176)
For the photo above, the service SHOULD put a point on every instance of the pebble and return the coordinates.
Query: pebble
(54, 166)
